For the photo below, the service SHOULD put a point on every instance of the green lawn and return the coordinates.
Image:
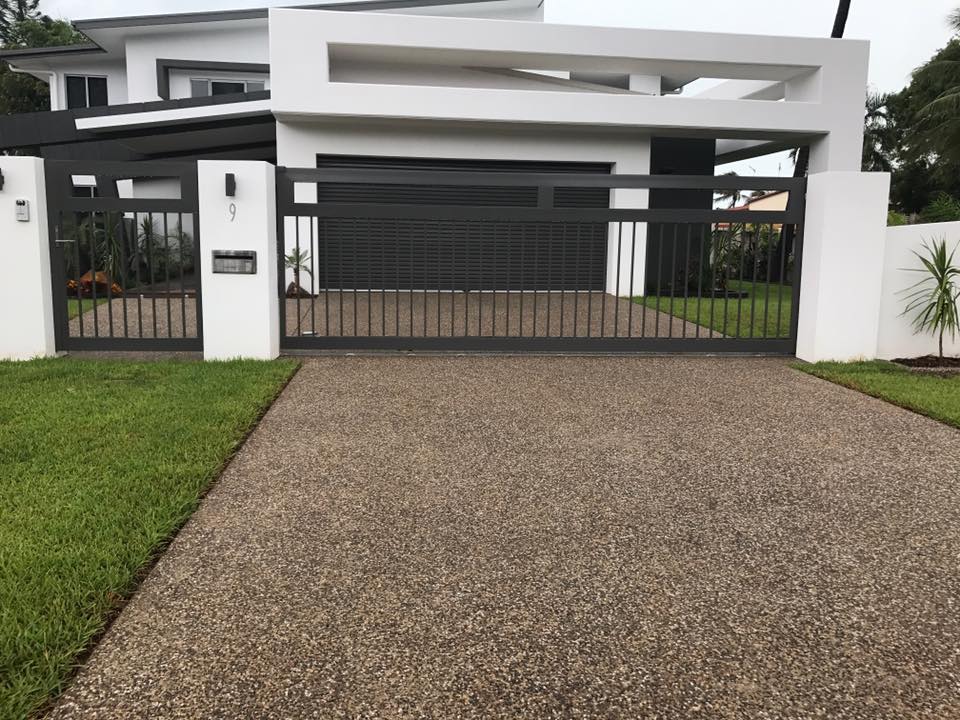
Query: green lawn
(73, 306)
(722, 314)
(930, 395)
(100, 463)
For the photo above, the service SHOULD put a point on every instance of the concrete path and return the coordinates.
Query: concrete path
(556, 537)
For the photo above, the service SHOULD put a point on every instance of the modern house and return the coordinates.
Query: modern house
(381, 90)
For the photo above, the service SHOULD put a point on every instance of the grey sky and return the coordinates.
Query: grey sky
(903, 35)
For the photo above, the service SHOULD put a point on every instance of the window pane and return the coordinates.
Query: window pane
(255, 87)
(76, 91)
(97, 90)
(199, 88)
(225, 88)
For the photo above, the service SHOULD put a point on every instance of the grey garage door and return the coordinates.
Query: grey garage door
(458, 256)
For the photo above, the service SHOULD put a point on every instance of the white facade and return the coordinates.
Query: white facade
(897, 337)
(130, 48)
(490, 71)
(26, 325)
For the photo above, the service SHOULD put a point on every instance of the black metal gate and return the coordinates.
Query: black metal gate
(415, 270)
(125, 255)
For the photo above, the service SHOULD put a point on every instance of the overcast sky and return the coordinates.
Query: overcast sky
(903, 34)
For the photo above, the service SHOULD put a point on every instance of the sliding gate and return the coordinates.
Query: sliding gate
(527, 267)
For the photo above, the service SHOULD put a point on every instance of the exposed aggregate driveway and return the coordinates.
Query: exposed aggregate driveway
(539, 537)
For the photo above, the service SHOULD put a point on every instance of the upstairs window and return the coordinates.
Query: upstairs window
(202, 87)
(85, 91)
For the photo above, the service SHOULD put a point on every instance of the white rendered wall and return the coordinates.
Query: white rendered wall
(843, 265)
(113, 70)
(897, 338)
(298, 145)
(239, 41)
(824, 80)
(240, 312)
(26, 324)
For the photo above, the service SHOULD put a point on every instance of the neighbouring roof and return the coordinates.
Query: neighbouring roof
(47, 51)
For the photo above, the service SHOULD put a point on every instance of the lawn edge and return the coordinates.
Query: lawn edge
(150, 563)
(850, 384)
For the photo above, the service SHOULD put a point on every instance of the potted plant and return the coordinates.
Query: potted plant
(298, 260)
(932, 301)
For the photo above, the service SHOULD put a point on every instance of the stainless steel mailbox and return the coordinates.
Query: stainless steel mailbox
(235, 262)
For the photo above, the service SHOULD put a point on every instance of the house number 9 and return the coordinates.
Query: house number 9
(233, 212)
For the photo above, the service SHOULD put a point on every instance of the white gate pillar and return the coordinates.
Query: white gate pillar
(842, 265)
(26, 293)
(241, 312)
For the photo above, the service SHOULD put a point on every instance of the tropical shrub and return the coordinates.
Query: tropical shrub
(933, 299)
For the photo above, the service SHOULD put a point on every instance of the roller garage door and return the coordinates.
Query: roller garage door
(457, 256)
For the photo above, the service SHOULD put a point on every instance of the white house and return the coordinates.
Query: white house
(476, 86)
(479, 78)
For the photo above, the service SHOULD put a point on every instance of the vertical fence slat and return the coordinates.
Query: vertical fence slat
(124, 275)
(633, 260)
(183, 280)
(93, 274)
(686, 284)
(756, 269)
(108, 271)
(576, 280)
(616, 290)
(673, 275)
(166, 272)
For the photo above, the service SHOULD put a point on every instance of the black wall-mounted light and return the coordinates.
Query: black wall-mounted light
(231, 185)
(1, 179)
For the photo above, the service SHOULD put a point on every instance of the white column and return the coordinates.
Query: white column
(842, 272)
(240, 312)
(627, 241)
(26, 293)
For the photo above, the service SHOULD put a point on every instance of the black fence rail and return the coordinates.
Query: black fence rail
(684, 273)
(125, 255)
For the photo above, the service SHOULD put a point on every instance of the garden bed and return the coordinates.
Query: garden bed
(930, 362)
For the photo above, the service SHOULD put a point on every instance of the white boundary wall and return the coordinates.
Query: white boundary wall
(26, 294)
(241, 313)
(896, 336)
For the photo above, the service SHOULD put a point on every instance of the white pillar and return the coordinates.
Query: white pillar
(842, 272)
(627, 241)
(240, 312)
(26, 293)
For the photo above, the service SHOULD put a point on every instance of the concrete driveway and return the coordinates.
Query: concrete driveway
(537, 537)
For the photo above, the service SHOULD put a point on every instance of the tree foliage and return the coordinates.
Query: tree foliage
(14, 12)
(23, 26)
(915, 133)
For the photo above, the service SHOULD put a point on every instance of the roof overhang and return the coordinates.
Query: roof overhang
(226, 126)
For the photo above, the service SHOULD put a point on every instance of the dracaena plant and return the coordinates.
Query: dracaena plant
(932, 300)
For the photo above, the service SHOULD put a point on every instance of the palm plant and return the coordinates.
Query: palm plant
(937, 122)
(298, 260)
(933, 299)
(875, 130)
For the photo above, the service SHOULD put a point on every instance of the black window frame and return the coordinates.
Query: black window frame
(210, 82)
(75, 103)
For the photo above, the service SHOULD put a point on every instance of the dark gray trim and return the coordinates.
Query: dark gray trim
(48, 51)
(675, 345)
(165, 65)
(257, 13)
